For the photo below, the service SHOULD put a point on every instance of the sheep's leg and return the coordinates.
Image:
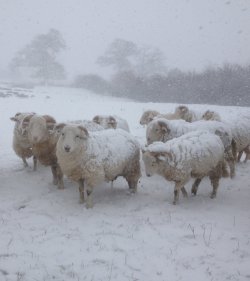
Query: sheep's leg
(184, 192)
(247, 156)
(214, 177)
(89, 201)
(177, 188)
(54, 173)
(231, 162)
(59, 176)
(34, 163)
(81, 190)
(132, 186)
(224, 170)
(215, 184)
(195, 186)
(25, 163)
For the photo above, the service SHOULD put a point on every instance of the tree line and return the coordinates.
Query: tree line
(138, 72)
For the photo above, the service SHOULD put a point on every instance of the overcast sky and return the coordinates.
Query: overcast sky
(192, 34)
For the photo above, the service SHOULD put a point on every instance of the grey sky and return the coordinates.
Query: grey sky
(192, 33)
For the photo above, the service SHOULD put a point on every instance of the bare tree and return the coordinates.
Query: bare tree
(40, 56)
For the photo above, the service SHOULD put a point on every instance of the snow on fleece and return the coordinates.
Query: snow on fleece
(193, 145)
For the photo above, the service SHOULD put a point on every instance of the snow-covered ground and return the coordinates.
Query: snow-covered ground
(45, 234)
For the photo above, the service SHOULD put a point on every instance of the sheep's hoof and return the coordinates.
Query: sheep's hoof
(212, 196)
(184, 192)
(89, 205)
(61, 187)
(194, 191)
(81, 200)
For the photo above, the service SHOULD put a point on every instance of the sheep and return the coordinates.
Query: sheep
(20, 143)
(44, 145)
(211, 115)
(195, 154)
(165, 130)
(111, 122)
(240, 127)
(149, 115)
(94, 157)
(88, 124)
(183, 112)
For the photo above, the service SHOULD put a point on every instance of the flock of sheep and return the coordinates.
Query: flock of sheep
(180, 146)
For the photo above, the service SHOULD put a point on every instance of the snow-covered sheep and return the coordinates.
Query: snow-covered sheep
(88, 124)
(211, 115)
(149, 115)
(165, 130)
(44, 145)
(20, 142)
(183, 112)
(240, 127)
(195, 154)
(111, 122)
(95, 157)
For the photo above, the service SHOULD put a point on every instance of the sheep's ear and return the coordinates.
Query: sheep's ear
(164, 127)
(59, 126)
(84, 131)
(50, 125)
(182, 108)
(112, 122)
(13, 119)
(162, 156)
(96, 119)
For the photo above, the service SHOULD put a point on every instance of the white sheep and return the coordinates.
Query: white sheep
(111, 122)
(183, 112)
(94, 157)
(195, 154)
(44, 145)
(20, 142)
(149, 115)
(211, 115)
(240, 127)
(165, 130)
(88, 124)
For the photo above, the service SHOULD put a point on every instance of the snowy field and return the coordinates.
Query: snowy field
(45, 234)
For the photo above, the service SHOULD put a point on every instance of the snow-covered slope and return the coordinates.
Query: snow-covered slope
(46, 235)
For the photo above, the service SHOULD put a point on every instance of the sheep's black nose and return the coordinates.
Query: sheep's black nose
(67, 148)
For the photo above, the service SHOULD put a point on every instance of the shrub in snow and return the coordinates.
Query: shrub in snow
(95, 157)
(195, 154)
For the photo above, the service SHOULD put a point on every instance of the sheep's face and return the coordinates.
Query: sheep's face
(182, 111)
(72, 137)
(148, 116)
(156, 162)
(107, 122)
(157, 131)
(37, 129)
(151, 163)
(210, 115)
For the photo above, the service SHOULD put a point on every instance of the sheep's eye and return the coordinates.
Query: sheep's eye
(63, 134)
(77, 136)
